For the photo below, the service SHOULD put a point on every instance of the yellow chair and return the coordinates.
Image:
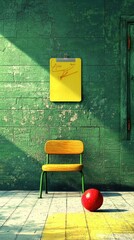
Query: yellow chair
(59, 147)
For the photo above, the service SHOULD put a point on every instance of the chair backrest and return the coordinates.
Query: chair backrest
(64, 147)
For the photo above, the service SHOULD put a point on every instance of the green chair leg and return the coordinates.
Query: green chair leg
(41, 183)
(82, 182)
(45, 182)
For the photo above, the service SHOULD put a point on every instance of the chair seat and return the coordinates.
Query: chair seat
(62, 167)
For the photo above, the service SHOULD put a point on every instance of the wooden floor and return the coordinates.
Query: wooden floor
(60, 216)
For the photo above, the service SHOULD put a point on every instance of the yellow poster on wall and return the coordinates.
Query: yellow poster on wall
(65, 79)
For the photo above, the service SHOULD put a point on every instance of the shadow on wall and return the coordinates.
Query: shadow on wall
(26, 25)
(20, 171)
(17, 168)
(31, 27)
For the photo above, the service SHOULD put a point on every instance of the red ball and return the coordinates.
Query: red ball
(92, 199)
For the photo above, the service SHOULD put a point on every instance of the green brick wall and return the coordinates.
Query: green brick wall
(33, 31)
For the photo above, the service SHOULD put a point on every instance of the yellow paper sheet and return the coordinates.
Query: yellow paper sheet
(65, 80)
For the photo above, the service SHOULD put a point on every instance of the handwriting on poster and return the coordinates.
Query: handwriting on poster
(61, 71)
